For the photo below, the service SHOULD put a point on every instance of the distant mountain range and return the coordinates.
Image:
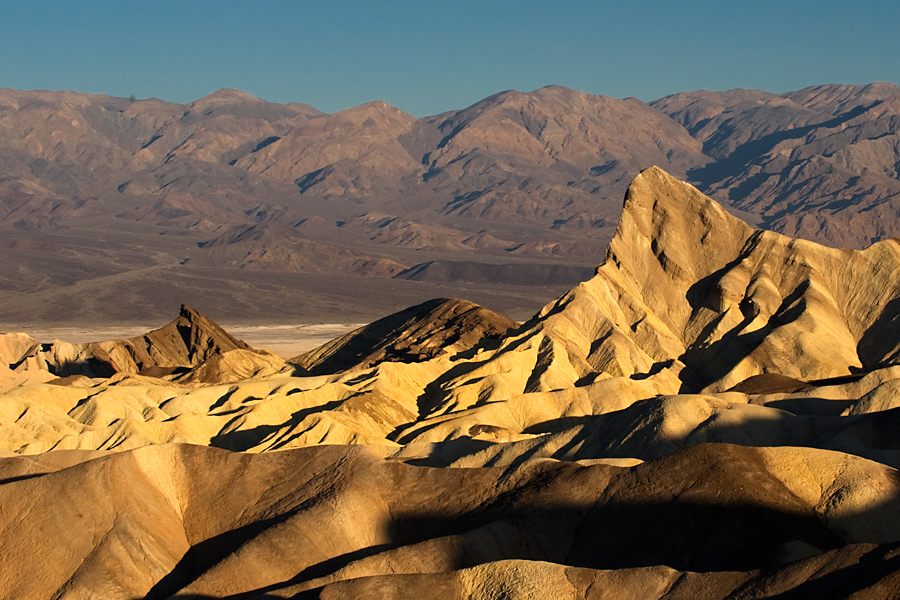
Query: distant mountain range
(115, 208)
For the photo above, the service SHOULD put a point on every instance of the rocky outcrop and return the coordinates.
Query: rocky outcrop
(689, 288)
(190, 348)
(19, 361)
(439, 326)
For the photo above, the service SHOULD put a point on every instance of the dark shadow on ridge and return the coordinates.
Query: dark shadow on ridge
(877, 347)
(242, 440)
(732, 516)
(745, 153)
(710, 363)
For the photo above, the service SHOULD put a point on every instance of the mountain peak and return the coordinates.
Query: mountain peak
(655, 189)
(378, 108)
(224, 96)
(193, 338)
(687, 284)
(673, 219)
(440, 325)
(229, 94)
(190, 313)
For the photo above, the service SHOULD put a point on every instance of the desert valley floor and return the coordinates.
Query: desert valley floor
(713, 415)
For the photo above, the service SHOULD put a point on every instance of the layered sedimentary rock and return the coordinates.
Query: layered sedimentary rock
(712, 415)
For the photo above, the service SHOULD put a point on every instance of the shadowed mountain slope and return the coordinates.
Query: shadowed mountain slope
(721, 512)
(819, 163)
(415, 334)
(712, 415)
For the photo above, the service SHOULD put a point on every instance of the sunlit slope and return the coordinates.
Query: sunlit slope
(689, 300)
(712, 415)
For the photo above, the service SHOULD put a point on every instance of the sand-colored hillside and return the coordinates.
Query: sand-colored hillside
(712, 415)
(343, 522)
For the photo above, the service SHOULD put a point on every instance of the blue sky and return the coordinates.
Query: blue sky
(428, 57)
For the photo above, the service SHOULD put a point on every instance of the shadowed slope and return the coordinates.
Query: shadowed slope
(188, 520)
(795, 159)
(415, 334)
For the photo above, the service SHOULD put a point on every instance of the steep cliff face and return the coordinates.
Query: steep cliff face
(689, 289)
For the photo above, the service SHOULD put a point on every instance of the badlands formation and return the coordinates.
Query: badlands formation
(712, 415)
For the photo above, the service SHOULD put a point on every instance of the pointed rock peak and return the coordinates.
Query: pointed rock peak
(656, 198)
(184, 343)
(190, 313)
(671, 222)
(202, 337)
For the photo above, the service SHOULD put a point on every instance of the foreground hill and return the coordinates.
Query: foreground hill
(712, 415)
(512, 198)
(715, 521)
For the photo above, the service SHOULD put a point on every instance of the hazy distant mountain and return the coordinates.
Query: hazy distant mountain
(530, 182)
(821, 163)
